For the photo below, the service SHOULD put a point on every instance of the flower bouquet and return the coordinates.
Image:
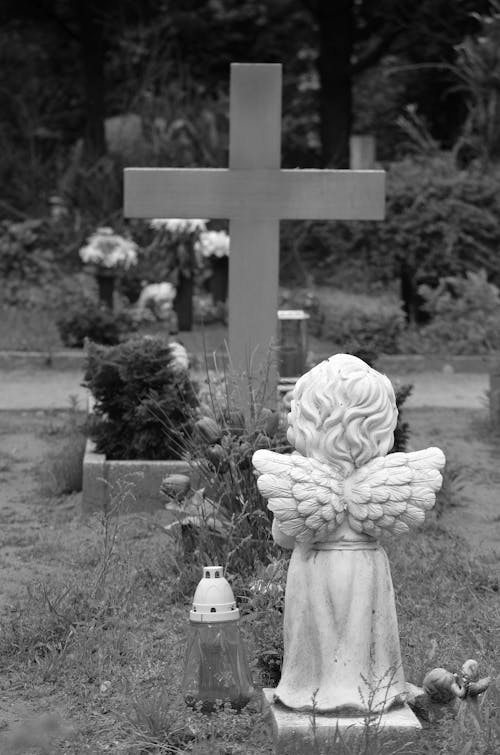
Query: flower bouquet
(175, 240)
(213, 246)
(108, 253)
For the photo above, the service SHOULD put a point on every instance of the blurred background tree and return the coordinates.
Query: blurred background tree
(89, 86)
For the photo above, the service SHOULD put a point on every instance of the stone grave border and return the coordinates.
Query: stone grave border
(102, 476)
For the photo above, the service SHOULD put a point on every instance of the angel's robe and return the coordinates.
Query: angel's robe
(341, 641)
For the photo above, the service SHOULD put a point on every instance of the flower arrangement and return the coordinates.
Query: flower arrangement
(179, 226)
(175, 260)
(213, 244)
(109, 250)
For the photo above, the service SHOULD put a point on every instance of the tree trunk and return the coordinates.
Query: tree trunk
(336, 32)
(92, 47)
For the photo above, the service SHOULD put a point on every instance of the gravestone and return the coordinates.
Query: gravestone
(255, 194)
(331, 501)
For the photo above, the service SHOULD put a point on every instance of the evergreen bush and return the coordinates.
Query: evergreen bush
(144, 400)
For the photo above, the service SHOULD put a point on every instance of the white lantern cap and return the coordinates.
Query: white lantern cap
(292, 314)
(214, 600)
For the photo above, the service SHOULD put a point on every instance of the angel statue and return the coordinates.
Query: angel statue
(331, 499)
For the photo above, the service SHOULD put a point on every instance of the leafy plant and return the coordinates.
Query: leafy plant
(263, 603)
(227, 519)
(86, 318)
(131, 383)
(402, 431)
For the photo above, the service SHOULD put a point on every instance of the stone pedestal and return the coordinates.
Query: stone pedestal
(295, 732)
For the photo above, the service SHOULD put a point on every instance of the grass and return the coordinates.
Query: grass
(107, 637)
(62, 470)
(30, 329)
(114, 644)
(102, 645)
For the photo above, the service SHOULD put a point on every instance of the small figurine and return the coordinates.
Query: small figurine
(332, 498)
(441, 686)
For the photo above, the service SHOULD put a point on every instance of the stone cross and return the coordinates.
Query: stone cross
(254, 193)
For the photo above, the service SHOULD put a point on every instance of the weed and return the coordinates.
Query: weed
(451, 492)
(61, 473)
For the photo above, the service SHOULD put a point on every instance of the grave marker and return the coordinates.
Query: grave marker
(255, 194)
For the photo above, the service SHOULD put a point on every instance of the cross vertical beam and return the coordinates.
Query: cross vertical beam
(255, 142)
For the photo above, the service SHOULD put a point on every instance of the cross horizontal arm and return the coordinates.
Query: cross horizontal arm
(254, 194)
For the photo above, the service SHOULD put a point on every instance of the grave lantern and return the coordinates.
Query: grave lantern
(292, 342)
(216, 669)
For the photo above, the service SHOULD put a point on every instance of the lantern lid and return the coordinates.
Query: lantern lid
(213, 600)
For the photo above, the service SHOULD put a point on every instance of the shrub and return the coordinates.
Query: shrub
(465, 317)
(87, 319)
(34, 253)
(139, 388)
(439, 221)
(366, 333)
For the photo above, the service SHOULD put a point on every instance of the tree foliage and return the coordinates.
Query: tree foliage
(68, 64)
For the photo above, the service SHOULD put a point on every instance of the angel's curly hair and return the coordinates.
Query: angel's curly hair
(343, 412)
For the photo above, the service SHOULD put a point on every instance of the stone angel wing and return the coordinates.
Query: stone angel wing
(311, 499)
(393, 492)
(304, 495)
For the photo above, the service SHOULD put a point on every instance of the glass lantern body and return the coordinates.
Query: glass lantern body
(216, 668)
